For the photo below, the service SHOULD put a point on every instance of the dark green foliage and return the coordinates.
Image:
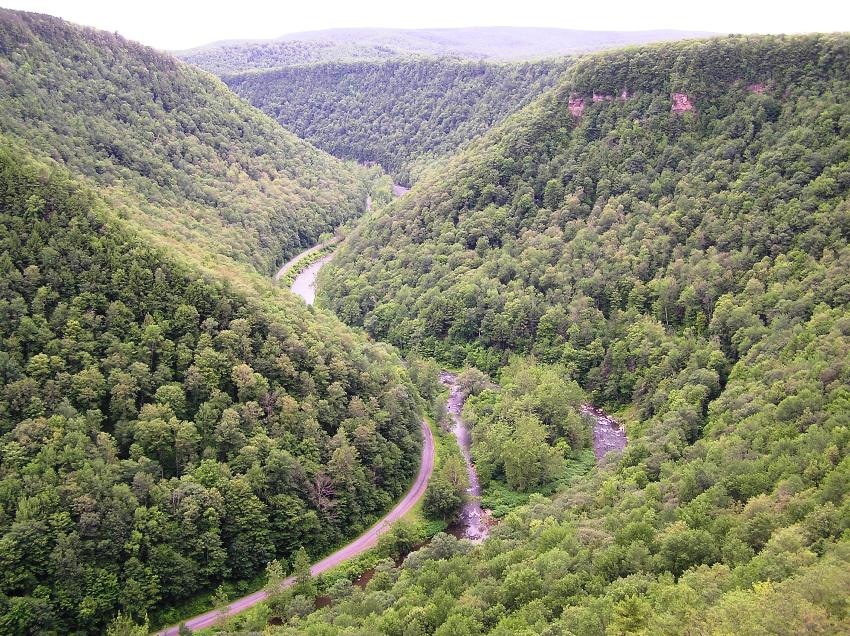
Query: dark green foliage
(443, 500)
(400, 114)
(186, 159)
(615, 244)
(447, 489)
(158, 432)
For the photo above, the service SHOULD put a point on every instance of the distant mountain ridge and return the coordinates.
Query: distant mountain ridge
(472, 43)
(403, 114)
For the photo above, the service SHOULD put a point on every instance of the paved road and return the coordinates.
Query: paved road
(365, 541)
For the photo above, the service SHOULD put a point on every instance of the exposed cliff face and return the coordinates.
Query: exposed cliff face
(681, 103)
(576, 106)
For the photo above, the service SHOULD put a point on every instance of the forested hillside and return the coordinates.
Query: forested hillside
(669, 227)
(158, 432)
(472, 43)
(189, 162)
(401, 114)
(162, 431)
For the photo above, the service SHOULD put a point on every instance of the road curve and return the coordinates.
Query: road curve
(365, 541)
(295, 259)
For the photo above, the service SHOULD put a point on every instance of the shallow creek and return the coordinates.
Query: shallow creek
(305, 283)
(474, 522)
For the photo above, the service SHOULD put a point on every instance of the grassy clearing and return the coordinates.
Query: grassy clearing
(500, 499)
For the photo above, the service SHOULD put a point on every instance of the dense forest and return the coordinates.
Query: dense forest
(400, 114)
(159, 433)
(678, 245)
(663, 231)
(161, 430)
(189, 162)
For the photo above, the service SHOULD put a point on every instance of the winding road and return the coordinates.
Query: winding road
(304, 287)
(298, 257)
(365, 541)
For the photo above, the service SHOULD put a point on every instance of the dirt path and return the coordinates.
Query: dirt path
(365, 541)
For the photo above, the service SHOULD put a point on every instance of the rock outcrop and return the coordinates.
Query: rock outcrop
(576, 105)
(681, 103)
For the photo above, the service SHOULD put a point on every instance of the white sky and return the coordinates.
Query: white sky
(179, 24)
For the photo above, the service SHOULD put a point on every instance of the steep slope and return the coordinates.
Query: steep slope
(202, 171)
(473, 43)
(681, 249)
(161, 430)
(400, 114)
(161, 433)
(581, 210)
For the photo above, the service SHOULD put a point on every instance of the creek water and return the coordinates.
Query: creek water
(608, 435)
(474, 522)
(305, 283)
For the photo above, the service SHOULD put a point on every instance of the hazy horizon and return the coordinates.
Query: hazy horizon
(187, 25)
(300, 34)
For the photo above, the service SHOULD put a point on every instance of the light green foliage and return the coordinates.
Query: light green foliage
(447, 489)
(123, 625)
(523, 429)
(198, 169)
(689, 269)
(160, 434)
(221, 597)
(275, 573)
(301, 571)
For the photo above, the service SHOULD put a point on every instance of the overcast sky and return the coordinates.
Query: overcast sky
(179, 24)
